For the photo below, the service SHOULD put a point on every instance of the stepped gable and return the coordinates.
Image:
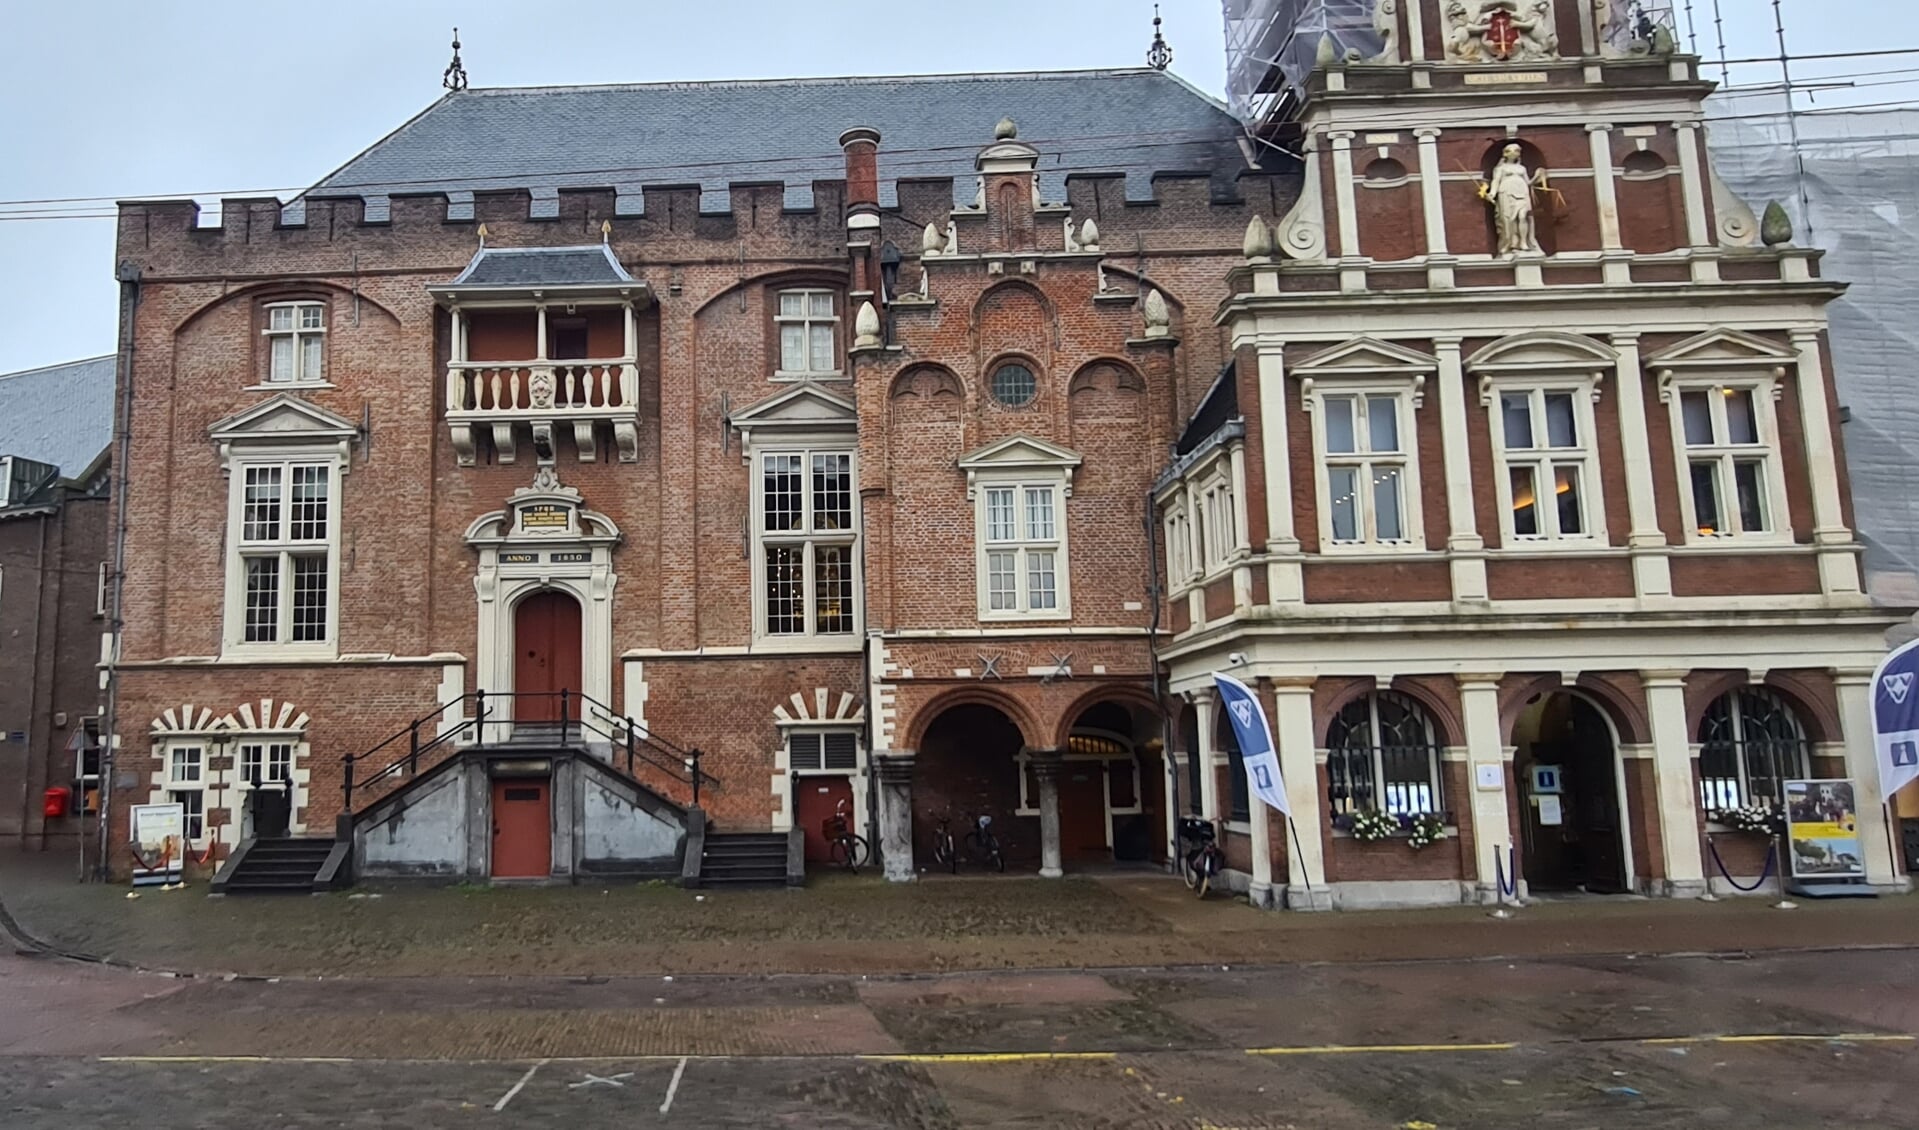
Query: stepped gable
(1134, 122)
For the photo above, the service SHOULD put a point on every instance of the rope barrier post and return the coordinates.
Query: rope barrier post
(1705, 841)
(1779, 853)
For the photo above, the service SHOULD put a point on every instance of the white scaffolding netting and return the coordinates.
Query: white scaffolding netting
(1271, 46)
(1860, 190)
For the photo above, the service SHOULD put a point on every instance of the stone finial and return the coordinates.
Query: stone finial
(1006, 130)
(866, 327)
(1259, 240)
(1775, 227)
(1089, 235)
(1159, 320)
(1328, 52)
(932, 240)
(606, 231)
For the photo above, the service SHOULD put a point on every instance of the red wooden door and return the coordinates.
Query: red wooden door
(817, 799)
(546, 640)
(1082, 809)
(522, 829)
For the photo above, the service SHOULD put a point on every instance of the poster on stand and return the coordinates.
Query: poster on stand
(1822, 830)
(159, 843)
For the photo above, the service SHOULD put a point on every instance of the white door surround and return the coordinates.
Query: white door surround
(544, 539)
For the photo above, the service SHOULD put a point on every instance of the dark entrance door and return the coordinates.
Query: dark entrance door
(272, 803)
(546, 659)
(1581, 851)
(817, 800)
(522, 829)
(1082, 810)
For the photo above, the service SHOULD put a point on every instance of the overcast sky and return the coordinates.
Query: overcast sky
(110, 98)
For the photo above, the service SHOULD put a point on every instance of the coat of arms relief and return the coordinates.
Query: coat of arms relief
(1494, 31)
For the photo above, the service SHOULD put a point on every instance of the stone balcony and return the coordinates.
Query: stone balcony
(541, 399)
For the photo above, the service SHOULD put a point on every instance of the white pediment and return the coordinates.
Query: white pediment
(1018, 454)
(1544, 349)
(284, 418)
(1366, 356)
(803, 409)
(1722, 347)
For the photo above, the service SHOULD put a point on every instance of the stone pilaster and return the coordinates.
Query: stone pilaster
(896, 814)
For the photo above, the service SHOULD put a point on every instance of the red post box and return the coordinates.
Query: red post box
(54, 805)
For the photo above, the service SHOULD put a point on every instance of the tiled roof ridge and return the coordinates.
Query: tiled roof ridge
(37, 369)
(821, 80)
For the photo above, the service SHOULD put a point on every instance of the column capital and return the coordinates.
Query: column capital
(1341, 138)
(1598, 127)
(1294, 684)
(1625, 339)
(1685, 125)
(1428, 133)
(1046, 763)
(1663, 678)
(1804, 336)
(1447, 343)
(1478, 680)
(1852, 676)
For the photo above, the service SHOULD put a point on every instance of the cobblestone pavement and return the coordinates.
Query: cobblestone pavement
(857, 925)
(1786, 1040)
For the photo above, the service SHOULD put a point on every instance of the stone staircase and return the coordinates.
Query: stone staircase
(744, 859)
(275, 866)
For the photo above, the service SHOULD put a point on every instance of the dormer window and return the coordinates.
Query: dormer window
(808, 327)
(296, 342)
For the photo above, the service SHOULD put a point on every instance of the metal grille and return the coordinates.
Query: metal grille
(1381, 754)
(1750, 742)
(836, 749)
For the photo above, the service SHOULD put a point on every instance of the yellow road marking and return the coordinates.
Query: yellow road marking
(1789, 1038)
(1361, 1049)
(987, 1057)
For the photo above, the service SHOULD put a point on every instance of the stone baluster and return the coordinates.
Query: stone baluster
(494, 384)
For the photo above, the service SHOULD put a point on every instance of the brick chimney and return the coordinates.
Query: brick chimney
(861, 145)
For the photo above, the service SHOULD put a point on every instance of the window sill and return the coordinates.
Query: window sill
(1024, 617)
(808, 375)
(1407, 551)
(1452, 833)
(808, 645)
(271, 652)
(282, 386)
(1594, 546)
(1742, 543)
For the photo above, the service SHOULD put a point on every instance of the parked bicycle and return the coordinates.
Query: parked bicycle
(849, 849)
(982, 846)
(1200, 866)
(944, 850)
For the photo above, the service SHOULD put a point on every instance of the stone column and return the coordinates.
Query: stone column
(896, 814)
(1692, 183)
(1652, 572)
(1283, 578)
(1676, 794)
(1343, 193)
(1486, 753)
(1047, 764)
(1203, 706)
(1604, 190)
(1464, 545)
(1299, 764)
(1259, 820)
(1838, 564)
(1432, 202)
(1862, 765)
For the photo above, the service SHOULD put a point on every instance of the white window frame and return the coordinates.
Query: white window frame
(808, 321)
(239, 550)
(1584, 389)
(1408, 396)
(298, 334)
(100, 592)
(173, 783)
(821, 731)
(1022, 543)
(811, 638)
(260, 748)
(1764, 390)
(1179, 550)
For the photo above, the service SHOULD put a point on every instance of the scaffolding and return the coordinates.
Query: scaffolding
(1852, 189)
(1271, 46)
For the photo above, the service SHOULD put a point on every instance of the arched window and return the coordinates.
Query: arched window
(1381, 754)
(1750, 742)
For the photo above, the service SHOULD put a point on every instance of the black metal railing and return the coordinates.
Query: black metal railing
(1402, 780)
(429, 739)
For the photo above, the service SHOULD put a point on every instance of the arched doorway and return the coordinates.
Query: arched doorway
(1107, 805)
(546, 655)
(968, 765)
(1570, 809)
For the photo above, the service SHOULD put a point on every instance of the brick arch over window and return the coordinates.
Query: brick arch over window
(1810, 703)
(1627, 716)
(1137, 699)
(1016, 317)
(280, 291)
(1439, 707)
(924, 384)
(1106, 389)
(1015, 711)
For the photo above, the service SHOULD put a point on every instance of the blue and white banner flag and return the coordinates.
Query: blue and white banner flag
(1895, 718)
(1256, 747)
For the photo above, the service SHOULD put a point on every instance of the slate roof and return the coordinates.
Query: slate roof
(1135, 121)
(61, 414)
(544, 266)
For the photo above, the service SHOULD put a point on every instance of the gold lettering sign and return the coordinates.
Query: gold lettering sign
(519, 559)
(572, 557)
(545, 516)
(1505, 78)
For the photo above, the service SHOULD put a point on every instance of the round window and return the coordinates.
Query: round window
(1014, 386)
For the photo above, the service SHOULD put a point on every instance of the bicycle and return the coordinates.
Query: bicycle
(982, 846)
(1199, 866)
(944, 852)
(849, 850)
